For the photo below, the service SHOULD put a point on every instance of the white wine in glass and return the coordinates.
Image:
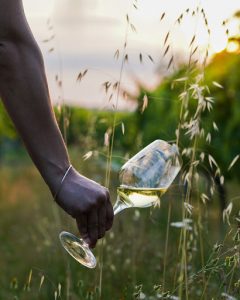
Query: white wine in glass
(143, 180)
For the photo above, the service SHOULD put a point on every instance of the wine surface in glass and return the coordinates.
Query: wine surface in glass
(140, 197)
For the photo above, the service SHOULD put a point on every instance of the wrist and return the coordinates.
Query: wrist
(62, 181)
(53, 175)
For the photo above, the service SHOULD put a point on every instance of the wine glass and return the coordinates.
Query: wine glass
(144, 178)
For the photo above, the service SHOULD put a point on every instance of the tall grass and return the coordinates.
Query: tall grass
(184, 258)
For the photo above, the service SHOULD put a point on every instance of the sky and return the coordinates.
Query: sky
(88, 32)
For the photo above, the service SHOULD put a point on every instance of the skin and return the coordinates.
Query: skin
(24, 92)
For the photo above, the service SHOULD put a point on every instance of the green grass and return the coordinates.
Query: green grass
(133, 253)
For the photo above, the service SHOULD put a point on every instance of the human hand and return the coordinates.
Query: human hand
(89, 203)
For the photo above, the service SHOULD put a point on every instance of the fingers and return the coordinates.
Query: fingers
(95, 221)
(101, 221)
(82, 227)
(109, 215)
(92, 228)
(109, 212)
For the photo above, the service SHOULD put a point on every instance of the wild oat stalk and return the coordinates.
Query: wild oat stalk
(196, 102)
(192, 129)
(110, 144)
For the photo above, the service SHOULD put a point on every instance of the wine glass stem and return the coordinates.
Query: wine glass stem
(118, 206)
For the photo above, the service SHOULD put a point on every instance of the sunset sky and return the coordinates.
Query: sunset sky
(88, 32)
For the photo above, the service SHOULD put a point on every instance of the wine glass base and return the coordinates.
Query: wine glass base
(78, 249)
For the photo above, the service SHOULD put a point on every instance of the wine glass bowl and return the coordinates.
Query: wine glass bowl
(148, 175)
(156, 166)
(143, 180)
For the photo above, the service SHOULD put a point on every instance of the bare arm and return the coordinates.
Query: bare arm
(24, 91)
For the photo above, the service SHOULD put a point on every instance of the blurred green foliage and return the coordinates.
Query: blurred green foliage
(161, 118)
(225, 69)
(87, 128)
(6, 126)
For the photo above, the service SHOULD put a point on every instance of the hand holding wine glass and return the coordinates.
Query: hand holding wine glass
(89, 203)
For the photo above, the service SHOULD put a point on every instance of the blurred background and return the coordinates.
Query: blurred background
(127, 66)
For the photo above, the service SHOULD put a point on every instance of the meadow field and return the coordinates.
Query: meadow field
(137, 263)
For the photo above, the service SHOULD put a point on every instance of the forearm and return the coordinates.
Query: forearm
(24, 91)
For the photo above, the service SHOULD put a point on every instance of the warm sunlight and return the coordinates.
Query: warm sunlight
(78, 24)
(232, 46)
(218, 42)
